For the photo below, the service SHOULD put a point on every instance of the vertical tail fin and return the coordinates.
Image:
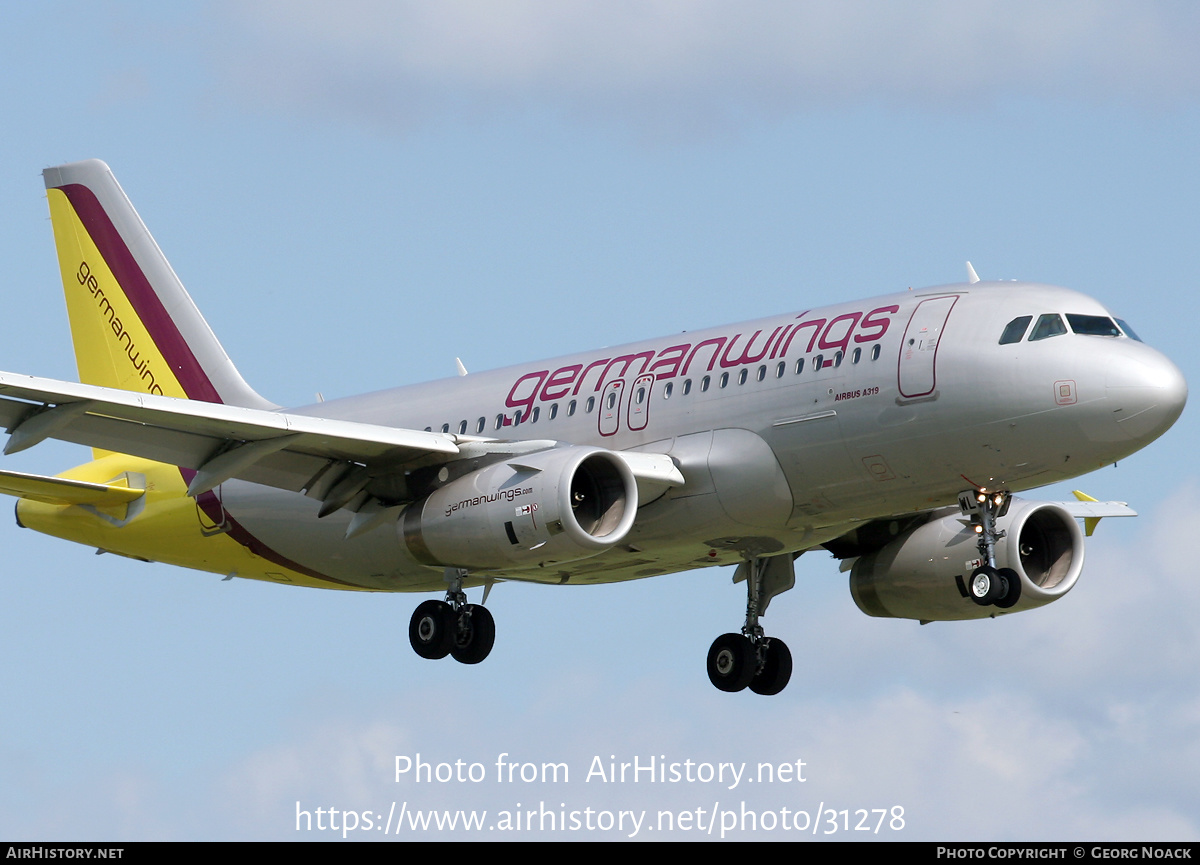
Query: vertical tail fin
(133, 325)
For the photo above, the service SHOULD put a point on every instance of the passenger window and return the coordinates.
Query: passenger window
(553, 410)
(480, 424)
(742, 377)
(704, 382)
(875, 352)
(780, 369)
(591, 404)
(1048, 325)
(667, 390)
(1014, 331)
(533, 416)
(819, 363)
(762, 373)
(445, 427)
(837, 359)
(499, 421)
(724, 379)
(687, 386)
(856, 356)
(799, 365)
(462, 427)
(570, 408)
(1092, 325)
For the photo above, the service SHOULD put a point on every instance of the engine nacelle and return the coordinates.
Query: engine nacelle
(554, 506)
(923, 573)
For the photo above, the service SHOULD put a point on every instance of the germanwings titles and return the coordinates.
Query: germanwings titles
(891, 432)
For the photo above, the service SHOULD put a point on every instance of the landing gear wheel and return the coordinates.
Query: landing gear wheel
(1013, 588)
(776, 669)
(431, 630)
(731, 662)
(474, 634)
(987, 585)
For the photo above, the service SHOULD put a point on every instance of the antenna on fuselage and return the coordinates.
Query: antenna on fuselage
(462, 370)
(972, 276)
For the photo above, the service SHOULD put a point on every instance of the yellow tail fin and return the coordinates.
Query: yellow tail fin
(133, 325)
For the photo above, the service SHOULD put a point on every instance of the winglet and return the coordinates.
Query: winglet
(1094, 510)
(972, 276)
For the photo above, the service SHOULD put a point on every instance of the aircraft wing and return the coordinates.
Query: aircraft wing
(1091, 510)
(218, 441)
(330, 459)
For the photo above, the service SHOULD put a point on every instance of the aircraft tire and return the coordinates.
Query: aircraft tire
(986, 586)
(431, 629)
(1012, 592)
(474, 640)
(731, 662)
(776, 671)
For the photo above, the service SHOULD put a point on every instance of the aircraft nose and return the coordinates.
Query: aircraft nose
(1148, 392)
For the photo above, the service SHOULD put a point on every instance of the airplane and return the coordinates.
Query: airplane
(890, 432)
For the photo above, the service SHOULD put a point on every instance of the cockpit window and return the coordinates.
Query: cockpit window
(1015, 331)
(1048, 325)
(1128, 330)
(1092, 325)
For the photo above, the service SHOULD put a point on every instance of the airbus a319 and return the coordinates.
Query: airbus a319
(891, 432)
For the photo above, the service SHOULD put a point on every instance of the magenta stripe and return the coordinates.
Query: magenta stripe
(146, 302)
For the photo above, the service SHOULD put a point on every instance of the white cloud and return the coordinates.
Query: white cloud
(699, 60)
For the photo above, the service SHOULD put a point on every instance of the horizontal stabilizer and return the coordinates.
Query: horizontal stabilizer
(64, 491)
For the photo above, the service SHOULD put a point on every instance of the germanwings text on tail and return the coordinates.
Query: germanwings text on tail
(891, 432)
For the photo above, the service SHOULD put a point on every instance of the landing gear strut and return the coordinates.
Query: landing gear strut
(988, 584)
(452, 627)
(752, 659)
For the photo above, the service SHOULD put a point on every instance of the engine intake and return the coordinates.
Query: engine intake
(555, 506)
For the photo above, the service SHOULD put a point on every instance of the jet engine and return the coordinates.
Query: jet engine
(923, 573)
(553, 506)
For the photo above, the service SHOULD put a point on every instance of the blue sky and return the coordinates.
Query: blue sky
(355, 194)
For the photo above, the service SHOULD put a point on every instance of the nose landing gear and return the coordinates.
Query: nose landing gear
(990, 585)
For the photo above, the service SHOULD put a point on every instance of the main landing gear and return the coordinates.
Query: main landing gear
(452, 627)
(752, 659)
(988, 584)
